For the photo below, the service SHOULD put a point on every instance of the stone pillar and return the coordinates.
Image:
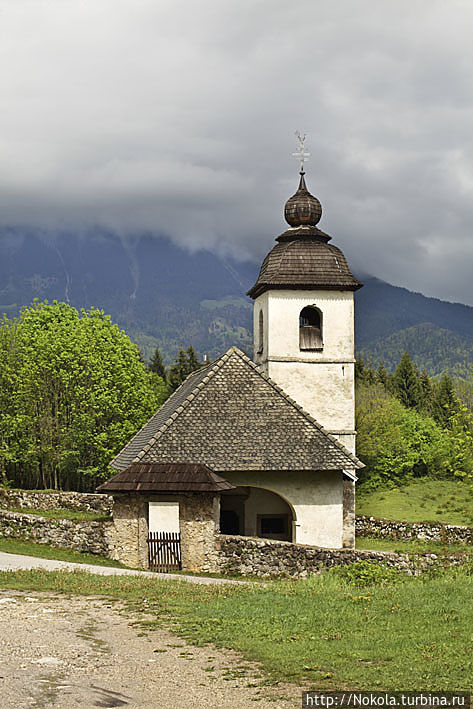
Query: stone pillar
(199, 518)
(129, 533)
(348, 537)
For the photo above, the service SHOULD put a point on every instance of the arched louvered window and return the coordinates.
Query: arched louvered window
(310, 329)
(260, 332)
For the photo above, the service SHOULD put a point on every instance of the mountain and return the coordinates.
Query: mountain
(160, 294)
(437, 334)
(167, 297)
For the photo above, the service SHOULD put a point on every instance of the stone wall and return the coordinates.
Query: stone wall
(199, 518)
(388, 529)
(251, 556)
(45, 500)
(89, 537)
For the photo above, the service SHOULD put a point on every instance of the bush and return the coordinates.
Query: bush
(366, 573)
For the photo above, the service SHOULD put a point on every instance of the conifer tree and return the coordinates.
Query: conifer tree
(427, 392)
(186, 362)
(445, 402)
(406, 382)
(156, 365)
(382, 376)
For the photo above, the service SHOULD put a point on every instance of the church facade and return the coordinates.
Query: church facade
(276, 432)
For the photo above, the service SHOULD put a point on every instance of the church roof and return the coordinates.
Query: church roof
(303, 260)
(230, 416)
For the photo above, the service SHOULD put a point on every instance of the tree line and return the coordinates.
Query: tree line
(411, 425)
(74, 389)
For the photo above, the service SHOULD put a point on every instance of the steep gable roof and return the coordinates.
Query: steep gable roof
(231, 416)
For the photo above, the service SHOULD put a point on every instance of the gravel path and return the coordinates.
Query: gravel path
(16, 562)
(80, 652)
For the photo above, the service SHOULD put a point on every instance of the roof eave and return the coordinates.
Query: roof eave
(260, 288)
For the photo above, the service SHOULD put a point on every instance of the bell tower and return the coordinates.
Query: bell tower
(304, 317)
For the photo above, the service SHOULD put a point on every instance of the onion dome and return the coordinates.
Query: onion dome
(303, 259)
(302, 209)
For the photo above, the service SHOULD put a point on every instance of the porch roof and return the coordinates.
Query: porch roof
(166, 477)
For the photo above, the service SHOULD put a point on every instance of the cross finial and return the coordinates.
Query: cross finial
(301, 154)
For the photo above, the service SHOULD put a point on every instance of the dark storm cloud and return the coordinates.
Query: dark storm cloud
(178, 119)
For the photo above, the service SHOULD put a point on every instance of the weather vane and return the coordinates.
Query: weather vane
(301, 154)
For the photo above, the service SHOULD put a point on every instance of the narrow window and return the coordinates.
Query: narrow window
(260, 333)
(310, 329)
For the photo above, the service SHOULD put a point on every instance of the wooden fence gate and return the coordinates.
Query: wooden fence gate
(164, 551)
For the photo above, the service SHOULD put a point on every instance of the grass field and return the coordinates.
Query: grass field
(44, 551)
(324, 632)
(421, 501)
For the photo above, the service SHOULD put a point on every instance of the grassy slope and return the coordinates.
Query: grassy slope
(323, 632)
(422, 501)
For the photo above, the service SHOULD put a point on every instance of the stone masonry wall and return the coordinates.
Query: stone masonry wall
(387, 529)
(251, 556)
(199, 518)
(90, 537)
(129, 531)
(42, 500)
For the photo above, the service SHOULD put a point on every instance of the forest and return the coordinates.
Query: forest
(74, 389)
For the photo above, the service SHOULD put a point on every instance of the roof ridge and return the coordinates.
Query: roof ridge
(214, 367)
(297, 406)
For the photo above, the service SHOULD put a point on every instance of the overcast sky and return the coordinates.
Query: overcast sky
(178, 118)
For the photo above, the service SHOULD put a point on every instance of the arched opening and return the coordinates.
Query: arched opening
(260, 333)
(256, 512)
(310, 329)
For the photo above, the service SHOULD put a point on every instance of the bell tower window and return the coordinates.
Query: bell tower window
(260, 333)
(310, 329)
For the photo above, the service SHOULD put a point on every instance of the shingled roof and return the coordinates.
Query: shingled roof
(166, 477)
(307, 262)
(230, 416)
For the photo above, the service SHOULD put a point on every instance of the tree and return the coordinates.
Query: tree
(397, 443)
(445, 401)
(406, 384)
(156, 365)
(72, 393)
(185, 364)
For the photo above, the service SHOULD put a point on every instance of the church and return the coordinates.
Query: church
(269, 441)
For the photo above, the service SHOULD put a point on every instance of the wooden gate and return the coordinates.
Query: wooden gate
(164, 551)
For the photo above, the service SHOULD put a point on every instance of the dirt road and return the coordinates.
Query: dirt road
(77, 652)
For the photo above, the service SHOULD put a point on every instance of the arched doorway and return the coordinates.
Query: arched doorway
(256, 512)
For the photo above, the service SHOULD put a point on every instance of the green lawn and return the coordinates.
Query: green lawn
(323, 632)
(78, 515)
(412, 546)
(44, 551)
(422, 501)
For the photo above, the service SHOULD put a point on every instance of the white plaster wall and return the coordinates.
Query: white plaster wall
(261, 502)
(316, 498)
(323, 382)
(163, 516)
(284, 307)
(326, 391)
(261, 305)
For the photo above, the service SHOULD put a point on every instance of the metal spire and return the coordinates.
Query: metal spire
(301, 154)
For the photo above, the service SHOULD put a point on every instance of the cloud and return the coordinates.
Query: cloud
(177, 119)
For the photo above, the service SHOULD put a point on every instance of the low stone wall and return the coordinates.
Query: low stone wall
(42, 500)
(251, 556)
(89, 537)
(429, 531)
